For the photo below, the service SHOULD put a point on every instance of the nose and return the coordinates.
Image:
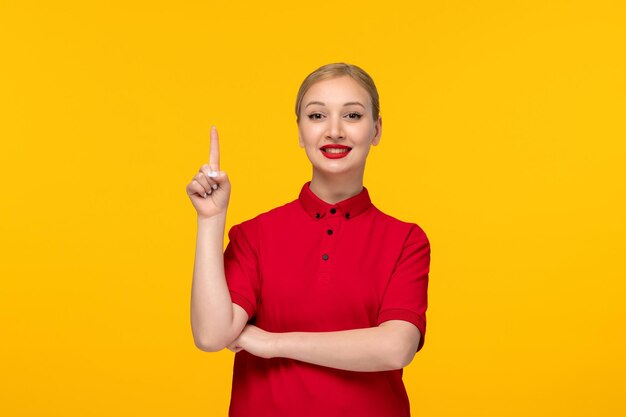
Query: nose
(335, 129)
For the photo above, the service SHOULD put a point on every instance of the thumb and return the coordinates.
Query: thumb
(221, 178)
(217, 174)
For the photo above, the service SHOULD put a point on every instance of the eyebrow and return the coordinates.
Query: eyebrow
(345, 104)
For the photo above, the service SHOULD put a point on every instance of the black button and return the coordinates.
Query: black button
(329, 231)
(317, 215)
(347, 215)
(325, 257)
(332, 211)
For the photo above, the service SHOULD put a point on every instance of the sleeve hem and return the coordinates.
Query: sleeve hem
(406, 315)
(243, 302)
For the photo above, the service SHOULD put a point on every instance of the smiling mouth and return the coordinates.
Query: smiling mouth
(336, 150)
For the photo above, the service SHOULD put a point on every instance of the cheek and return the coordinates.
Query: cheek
(361, 134)
(310, 135)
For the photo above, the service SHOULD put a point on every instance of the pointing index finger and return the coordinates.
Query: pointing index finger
(214, 153)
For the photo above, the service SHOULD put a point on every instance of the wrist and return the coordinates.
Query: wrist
(281, 343)
(218, 219)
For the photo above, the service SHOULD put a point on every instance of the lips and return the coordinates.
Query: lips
(335, 151)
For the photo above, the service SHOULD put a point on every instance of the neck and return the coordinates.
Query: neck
(333, 188)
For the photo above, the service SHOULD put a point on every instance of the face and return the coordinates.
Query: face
(338, 113)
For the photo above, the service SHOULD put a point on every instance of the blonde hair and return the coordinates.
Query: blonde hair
(339, 69)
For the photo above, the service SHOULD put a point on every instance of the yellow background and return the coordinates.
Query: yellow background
(503, 137)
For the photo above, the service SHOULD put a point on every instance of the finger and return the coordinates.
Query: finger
(203, 180)
(210, 180)
(197, 188)
(214, 154)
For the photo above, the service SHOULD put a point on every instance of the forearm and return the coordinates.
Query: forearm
(368, 349)
(211, 305)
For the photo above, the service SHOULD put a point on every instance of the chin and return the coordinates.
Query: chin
(334, 170)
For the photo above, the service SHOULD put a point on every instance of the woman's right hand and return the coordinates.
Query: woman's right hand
(209, 190)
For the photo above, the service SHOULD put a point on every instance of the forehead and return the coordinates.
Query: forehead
(337, 90)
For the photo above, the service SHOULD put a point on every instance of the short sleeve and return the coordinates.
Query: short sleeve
(241, 266)
(406, 297)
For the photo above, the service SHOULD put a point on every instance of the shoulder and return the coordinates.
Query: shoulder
(411, 231)
(252, 226)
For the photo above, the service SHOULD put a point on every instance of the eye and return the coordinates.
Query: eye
(354, 115)
(315, 116)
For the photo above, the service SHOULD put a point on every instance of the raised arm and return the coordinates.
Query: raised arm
(215, 320)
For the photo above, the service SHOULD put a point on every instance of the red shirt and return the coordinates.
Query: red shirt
(310, 266)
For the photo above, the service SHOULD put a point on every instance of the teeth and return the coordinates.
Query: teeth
(335, 150)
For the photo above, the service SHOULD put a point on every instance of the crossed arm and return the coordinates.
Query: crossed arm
(391, 345)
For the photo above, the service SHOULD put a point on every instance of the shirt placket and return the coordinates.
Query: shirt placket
(331, 225)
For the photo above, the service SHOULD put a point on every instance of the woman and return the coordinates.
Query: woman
(323, 299)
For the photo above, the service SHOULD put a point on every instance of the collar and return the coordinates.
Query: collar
(348, 208)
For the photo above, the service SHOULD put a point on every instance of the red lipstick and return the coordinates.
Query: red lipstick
(341, 151)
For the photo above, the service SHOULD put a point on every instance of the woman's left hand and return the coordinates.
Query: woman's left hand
(256, 341)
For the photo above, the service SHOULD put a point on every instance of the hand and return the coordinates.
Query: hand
(256, 341)
(209, 190)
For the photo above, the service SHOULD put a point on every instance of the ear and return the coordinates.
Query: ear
(378, 128)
